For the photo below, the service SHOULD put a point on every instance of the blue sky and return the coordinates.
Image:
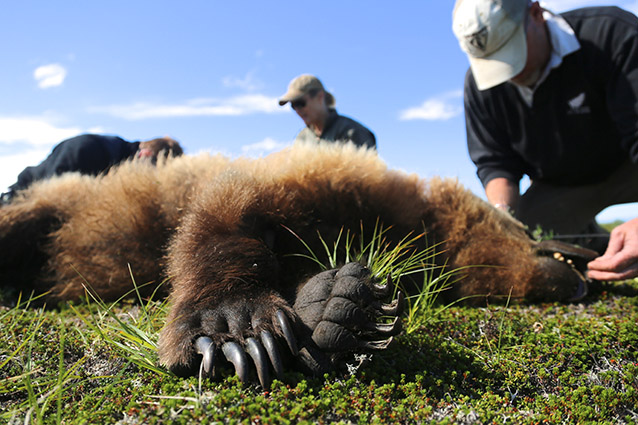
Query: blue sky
(209, 73)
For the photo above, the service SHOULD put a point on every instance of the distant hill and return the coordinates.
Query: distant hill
(611, 225)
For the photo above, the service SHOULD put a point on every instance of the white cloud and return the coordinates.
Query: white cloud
(248, 83)
(443, 107)
(48, 76)
(233, 106)
(33, 131)
(265, 146)
(12, 165)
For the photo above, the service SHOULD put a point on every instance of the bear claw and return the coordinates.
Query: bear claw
(386, 328)
(273, 353)
(289, 336)
(382, 291)
(377, 345)
(263, 351)
(204, 346)
(236, 355)
(260, 358)
(394, 308)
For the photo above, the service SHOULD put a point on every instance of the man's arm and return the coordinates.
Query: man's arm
(489, 142)
(502, 193)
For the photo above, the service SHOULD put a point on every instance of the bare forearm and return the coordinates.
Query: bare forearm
(502, 193)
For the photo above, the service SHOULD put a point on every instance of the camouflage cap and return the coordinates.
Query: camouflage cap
(302, 85)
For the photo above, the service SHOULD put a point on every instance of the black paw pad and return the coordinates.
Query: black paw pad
(342, 309)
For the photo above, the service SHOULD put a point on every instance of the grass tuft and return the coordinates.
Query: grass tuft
(134, 333)
(397, 262)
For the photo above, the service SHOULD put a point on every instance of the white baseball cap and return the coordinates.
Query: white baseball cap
(492, 34)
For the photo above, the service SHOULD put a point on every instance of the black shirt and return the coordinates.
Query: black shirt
(583, 121)
(342, 129)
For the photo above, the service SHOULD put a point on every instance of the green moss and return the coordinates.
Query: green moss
(521, 364)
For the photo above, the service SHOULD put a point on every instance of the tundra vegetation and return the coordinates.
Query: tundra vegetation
(93, 362)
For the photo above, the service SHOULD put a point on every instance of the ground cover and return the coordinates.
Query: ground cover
(91, 362)
(547, 363)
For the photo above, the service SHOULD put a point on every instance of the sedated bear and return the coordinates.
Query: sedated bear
(225, 233)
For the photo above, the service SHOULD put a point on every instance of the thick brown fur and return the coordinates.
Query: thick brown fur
(221, 231)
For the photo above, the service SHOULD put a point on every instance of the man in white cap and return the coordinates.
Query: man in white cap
(316, 107)
(555, 97)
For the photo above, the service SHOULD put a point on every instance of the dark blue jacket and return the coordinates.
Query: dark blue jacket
(89, 154)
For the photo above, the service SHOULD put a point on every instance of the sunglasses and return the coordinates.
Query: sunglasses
(297, 104)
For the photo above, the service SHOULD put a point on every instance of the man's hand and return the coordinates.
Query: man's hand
(620, 260)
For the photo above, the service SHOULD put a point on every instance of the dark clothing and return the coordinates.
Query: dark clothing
(583, 123)
(571, 210)
(88, 154)
(340, 129)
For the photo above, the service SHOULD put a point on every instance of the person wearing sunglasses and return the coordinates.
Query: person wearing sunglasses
(316, 107)
(555, 97)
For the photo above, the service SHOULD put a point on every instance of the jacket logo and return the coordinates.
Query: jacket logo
(577, 102)
(478, 40)
(577, 105)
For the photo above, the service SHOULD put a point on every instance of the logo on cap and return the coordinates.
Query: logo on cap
(478, 40)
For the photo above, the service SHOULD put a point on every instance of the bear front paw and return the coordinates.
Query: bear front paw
(243, 332)
(341, 309)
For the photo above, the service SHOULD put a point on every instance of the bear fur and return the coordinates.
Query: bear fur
(222, 231)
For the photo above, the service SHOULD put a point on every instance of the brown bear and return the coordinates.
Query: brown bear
(225, 233)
